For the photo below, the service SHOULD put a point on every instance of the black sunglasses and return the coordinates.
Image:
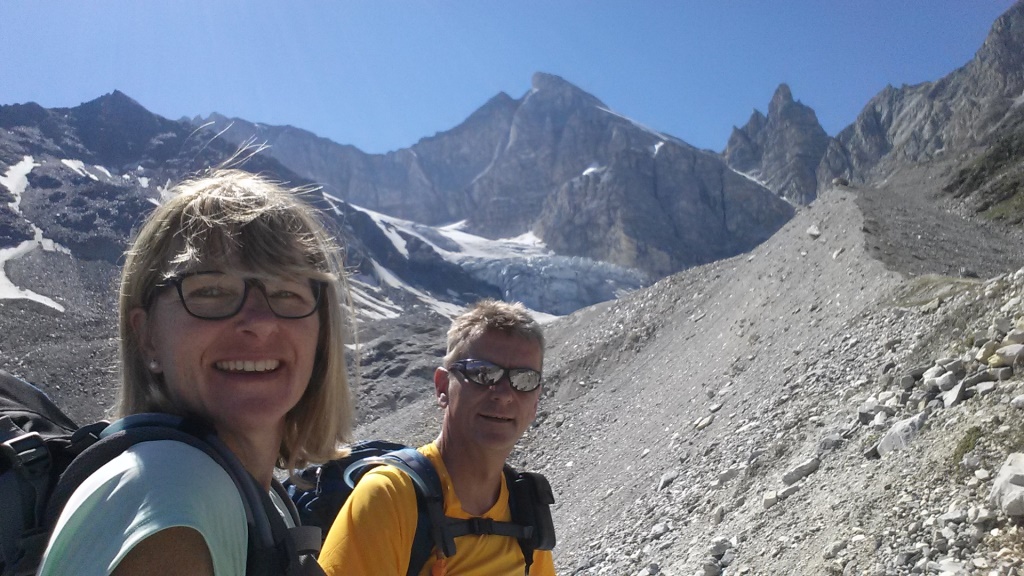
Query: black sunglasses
(484, 373)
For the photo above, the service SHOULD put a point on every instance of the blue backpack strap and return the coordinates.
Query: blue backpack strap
(431, 523)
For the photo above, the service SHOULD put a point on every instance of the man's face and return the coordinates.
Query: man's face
(490, 418)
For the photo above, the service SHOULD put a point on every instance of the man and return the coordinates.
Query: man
(488, 388)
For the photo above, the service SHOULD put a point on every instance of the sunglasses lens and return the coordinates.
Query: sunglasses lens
(524, 380)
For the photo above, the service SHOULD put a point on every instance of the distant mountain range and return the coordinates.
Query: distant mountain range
(550, 198)
(556, 162)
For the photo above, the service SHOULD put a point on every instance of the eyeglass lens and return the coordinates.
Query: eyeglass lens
(484, 373)
(219, 295)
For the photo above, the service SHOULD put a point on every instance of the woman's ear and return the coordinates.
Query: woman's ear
(138, 318)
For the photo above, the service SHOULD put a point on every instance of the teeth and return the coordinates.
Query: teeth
(248, 365)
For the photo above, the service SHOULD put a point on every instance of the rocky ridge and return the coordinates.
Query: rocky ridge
(924, 121)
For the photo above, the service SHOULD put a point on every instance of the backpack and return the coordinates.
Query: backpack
(530, 498)
(44, 457)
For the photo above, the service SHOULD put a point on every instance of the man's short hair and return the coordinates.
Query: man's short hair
(511, 318)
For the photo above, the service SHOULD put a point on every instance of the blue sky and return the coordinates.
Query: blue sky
(381, 74)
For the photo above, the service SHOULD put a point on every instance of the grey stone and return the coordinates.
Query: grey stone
(986, 388)
(953, 396)
(979, 377)
(901, 433)
(801, 471)
(1007, 493)
(719, 546)
(1007, 355)
(946, 382)
(667, 478)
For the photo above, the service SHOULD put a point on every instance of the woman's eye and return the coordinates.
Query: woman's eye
(289, 291)
(209, 292)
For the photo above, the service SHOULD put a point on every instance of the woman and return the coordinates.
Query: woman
(231, 314)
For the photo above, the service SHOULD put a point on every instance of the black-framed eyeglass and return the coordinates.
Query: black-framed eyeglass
(484, 373)
(215, 295)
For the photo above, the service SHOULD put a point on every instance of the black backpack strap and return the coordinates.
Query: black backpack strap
(295, 548)
(530, 498)
(25, 483)
(480, 526)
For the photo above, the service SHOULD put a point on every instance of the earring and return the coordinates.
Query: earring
(154, 366)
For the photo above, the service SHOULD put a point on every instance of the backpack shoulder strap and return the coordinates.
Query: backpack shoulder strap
(431, 523)
(530, 498)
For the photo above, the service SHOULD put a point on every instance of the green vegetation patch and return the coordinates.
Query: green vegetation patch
(994, 180)
(966, 444)
(929, 287)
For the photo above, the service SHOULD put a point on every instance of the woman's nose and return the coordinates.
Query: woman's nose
(256, 310)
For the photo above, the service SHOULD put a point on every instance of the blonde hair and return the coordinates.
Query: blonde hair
(232, 215)
(511, 318)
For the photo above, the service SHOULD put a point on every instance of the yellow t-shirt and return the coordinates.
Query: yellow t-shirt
(373, 533)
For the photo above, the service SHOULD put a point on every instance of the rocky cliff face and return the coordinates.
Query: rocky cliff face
(424, 183)
(662, 208)
(920, 122)
(781, 150)
(520, 165)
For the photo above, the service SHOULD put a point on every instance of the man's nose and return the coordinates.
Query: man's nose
(502, 387)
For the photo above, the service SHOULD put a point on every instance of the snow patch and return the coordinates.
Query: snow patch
(444, 308)
(16, 180)
(593, 169)
(368, 306)
(8, 291)
(390, 229)
(79, 167)
(144, 182)
(634, 123)
(751, 178)
(104, 170)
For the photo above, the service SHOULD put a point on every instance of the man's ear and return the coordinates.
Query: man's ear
(441, 387)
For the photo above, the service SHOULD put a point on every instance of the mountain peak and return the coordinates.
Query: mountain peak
(116, 99)
(783, 95)
(550, 84)
(1000, 54)
(545, 81)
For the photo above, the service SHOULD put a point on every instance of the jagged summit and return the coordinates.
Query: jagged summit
(782, 149)
(783, 95)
